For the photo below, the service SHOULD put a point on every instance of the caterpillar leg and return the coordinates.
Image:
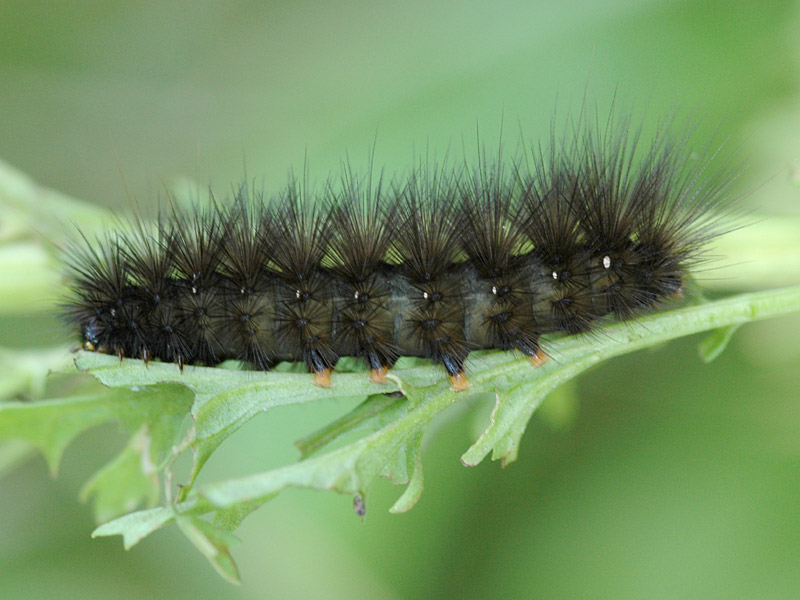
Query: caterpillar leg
(379, 375)
(459, 383)
(538, 359)
(322, 378)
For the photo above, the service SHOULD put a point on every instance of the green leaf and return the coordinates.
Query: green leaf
(373, 413)
(576, 354)
(50, 425)
(413, 456)
(138, 525)
(213, 543)
(224, 399)
(349, 469)
(126, 482)
(154, 416)
(714, 345)
(391, 429)
(230, 519)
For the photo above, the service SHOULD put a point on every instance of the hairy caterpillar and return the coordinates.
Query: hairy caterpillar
(435, 264)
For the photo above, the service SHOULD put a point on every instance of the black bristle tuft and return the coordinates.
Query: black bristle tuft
(493, 237)
(427, 246)
(297, 239)
(428, 228)
(363, 228)
(549, 213)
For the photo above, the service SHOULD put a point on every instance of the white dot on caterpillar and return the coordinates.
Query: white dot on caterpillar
(607, 261)
(494, 290)
(356, 295)
(555, 275)
(425, 295)
(297, 294)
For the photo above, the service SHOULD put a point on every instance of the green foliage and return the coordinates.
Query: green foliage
(168, 414)
(152, 417)
(381, 437)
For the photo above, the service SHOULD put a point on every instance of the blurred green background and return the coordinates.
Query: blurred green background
(653, 476)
